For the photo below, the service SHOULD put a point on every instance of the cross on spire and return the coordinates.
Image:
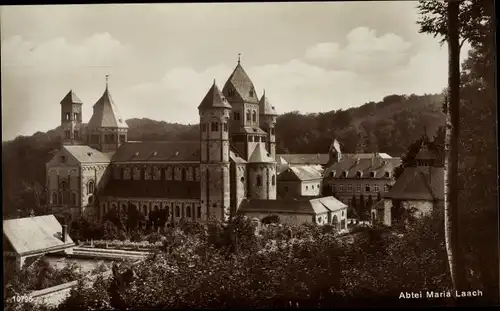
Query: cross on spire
(239, 58)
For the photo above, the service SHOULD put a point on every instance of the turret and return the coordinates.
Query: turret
(268, 117)
(261, 175)
(214, 112)
(334, 153)
(71, 120)
(107, 130)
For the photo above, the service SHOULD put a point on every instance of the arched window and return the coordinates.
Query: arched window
(177, 211)
(254, 116)
(60, 198)
(273, 180)
(90, 187)
(73, 199)
(387, 174)
(188, 211)
(259, 180)
(54, 198)
(63, 185)
(183, 173)
(248, 116)
(335, 222)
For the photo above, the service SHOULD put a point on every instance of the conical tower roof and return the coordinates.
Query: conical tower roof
(243, 86)
(106, 113)
(71, 98)
(265, 106)
(259, 155)
(214, 99)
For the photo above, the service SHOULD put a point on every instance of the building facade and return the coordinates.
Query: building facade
(98, 169)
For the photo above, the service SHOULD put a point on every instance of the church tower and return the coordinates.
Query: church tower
(214, 112)
(268, 117)
(244, 125)
(71, 119)
(107, 130)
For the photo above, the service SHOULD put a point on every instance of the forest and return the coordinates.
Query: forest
(389, 126)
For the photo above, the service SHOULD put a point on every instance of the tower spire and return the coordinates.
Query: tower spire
(107, 78)
(239, 58)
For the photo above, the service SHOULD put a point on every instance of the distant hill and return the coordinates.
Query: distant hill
(388, 126)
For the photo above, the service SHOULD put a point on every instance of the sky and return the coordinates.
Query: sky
(162, 58)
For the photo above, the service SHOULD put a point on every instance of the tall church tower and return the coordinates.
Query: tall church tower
(107, 130)
(268, 117)
(214, 113)
(71, 119)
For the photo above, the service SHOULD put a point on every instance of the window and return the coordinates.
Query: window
(333, 188)
(230, 93)
(183, 174)
(123, 139)
(250, 138)
(248, 116)
(54, 198)
(62, 159)
(203, 127)
(67, 116)
(372, 174)
(90, 187)
(358, 188)
(263, 139)
(242, 179)
(359, 174)
(386, 188)
(376, 188)
(313, 187)
(259, 180)
(341, 188)
(307, 187)
(237, 116)
(344, 174)
(367, 188)
(225, 127)
(387, 174)
(349, 188)
(73, 199)
(272, 130)
(188, 211)
(199, 211)
(67, 134)
(215, 126)
(273, 180)
(177, 211)
(75, 116)
(254, 116)
(332, 174)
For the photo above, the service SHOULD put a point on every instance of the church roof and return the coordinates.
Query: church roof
(300, 173)
(418, 183)
(354, 163)
(249, 130)
(214, 99)
(265, 107)
(34, 235)
(315, 158)
(425, 153)
(243, 86)
(152, 189)
(86, 154)
(106, 113)
(293, 206)
(159, 151)
(71, 98)
(235, 156)
(260, 155)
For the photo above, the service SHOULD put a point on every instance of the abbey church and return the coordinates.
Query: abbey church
(233, 164)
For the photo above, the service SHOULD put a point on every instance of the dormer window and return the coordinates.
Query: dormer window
(251, 93)
(344, 174)
(372, 174)
(332, 174)
(387, 174)
(63, 159)
(359, 174)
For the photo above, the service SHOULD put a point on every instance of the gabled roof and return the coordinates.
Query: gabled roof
(159, 151)
(265, 107)
(418, 183)
(235, 156)
(260, 155)
(106, 113)
(300, 173)
(33, 235)
(249, 130)
(71, 98)
(304, 158)
(293, 206)
(243, 86)
(85, 154)
(354, 164)
(425, 153)
(152, 189)
(214, 99)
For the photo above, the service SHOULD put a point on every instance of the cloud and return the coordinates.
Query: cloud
(364, 52)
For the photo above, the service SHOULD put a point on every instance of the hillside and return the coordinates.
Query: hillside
(388, 126)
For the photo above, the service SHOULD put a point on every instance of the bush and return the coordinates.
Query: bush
(271, 219)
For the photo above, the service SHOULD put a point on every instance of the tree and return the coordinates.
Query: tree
(369, 202)
(361, 207)
(379, 197)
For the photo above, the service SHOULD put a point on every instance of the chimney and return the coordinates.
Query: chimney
(64, 232)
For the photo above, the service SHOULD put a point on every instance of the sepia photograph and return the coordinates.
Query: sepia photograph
(338, 154)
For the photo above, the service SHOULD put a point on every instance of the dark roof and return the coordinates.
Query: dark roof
(71, 98)
(159, 151)
(152, 189)
(85, 154)
(293, 206)
(214, 99)
(425, 153)
(265, 107)
(260, 155)
(33, 235)
(106, 113)
(242, 84)
(418, 183)
(235, 156)
(249, 130)
(317, 158)
(300, 173)
(352, 165)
